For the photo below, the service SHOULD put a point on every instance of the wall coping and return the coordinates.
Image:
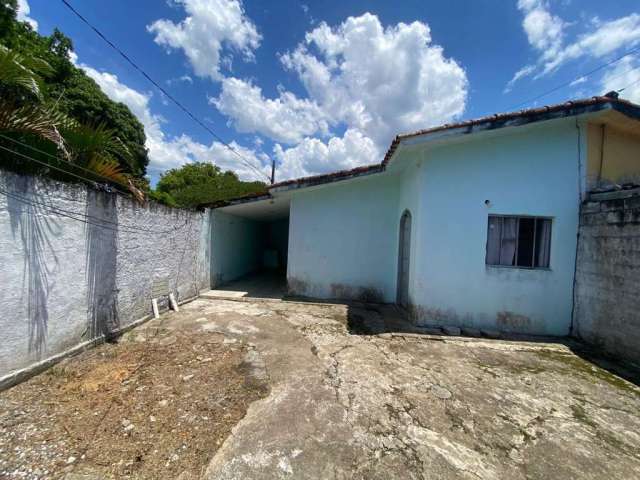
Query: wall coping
(614, 195)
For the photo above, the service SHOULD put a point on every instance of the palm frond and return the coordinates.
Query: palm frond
(108, 168)
(16, 69)
(35, 120)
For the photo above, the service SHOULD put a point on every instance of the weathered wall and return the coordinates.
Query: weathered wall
(76, 263)
(343, 240)
(526, 171)
(238, 246)
(607, 309)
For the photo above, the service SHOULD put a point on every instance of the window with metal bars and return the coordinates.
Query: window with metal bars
(518, 241)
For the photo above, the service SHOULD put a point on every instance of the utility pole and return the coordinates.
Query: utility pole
(273, 171)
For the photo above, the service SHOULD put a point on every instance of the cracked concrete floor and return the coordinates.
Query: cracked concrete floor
(343, 404)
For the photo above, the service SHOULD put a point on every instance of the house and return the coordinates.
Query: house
(469, 224)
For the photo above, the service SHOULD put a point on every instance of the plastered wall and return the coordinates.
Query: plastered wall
(76, 263)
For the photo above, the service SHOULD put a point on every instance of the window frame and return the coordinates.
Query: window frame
(518, 217)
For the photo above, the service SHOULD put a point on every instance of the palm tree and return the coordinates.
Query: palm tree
(93, 148)
(21, 78)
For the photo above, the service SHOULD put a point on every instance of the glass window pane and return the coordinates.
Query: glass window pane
(493, 240)
(509, 239)
(543, 242)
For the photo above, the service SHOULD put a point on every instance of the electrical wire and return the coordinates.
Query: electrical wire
(164, 92)
(61, 213)
(67, 172)
(88, 219)
(569, 82)
(68, 212)
(30, 147)
(631, 84)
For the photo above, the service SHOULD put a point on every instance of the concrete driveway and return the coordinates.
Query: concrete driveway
(347, 401)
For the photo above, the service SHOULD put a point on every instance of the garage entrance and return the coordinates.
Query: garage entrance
(250, 244)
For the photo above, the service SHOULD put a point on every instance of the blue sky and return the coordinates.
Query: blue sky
(325, 85)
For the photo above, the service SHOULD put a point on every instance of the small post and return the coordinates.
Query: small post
(273, 171)
(174, 304)
(154, 305)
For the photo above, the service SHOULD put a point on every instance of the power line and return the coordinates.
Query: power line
(61, 160)
(159, 87)
(569, 82)
(61, 213)
(68, 212)
(67, 172)
(631, 84)
(88, 219)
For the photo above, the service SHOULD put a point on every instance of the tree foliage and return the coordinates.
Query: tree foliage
(68, 88)
(200, 183)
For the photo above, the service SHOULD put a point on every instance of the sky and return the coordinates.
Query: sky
(325, 85)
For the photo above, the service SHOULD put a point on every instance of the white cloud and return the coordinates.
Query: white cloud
(165, 153)
(523, 72)
(381, 81)
(312, 156)
(210, 29)
(626, 74)
(547, 34)
(23, 14)
(544, 30)
(374, 81)
(578, 81)
(285, 119)
(607, 38)
(183, 79)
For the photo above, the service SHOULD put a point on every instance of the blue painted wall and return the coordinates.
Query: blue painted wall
(527, 172)
(236, 247)
(343, 237)
(342, 242)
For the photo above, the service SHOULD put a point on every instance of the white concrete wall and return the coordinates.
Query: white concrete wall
(236, 247)
(525, 172)
(65, 280)
(343, 240)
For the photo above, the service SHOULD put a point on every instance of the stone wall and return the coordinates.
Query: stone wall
(77, 264)
(607, 293)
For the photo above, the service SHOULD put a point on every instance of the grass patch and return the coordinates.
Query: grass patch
(588, 370)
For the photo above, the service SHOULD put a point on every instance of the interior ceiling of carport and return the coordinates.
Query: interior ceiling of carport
(265, 210)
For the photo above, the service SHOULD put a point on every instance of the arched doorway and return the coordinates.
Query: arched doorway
(404, 256)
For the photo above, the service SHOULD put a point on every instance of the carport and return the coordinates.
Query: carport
(250, 238)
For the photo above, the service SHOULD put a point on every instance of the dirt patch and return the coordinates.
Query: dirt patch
(147, 408)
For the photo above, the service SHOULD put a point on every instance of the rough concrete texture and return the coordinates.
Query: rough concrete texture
(608, 275)
(353, 397)
(77, 263)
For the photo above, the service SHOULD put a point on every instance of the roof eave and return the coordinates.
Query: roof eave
(326, 179)
(496, 122)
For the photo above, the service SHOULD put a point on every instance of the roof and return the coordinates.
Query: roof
(491, 122)
(328, 177)
(522, 117)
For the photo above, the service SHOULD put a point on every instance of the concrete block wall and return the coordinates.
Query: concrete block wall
(607, 293)
(76, 263)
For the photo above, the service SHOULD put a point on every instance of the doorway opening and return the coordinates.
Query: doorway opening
(250, 246)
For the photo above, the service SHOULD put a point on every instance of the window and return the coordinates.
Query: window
(518, 241)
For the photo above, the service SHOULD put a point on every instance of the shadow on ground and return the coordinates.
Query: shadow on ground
(375, 319)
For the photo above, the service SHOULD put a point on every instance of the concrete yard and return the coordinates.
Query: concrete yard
(349, 391)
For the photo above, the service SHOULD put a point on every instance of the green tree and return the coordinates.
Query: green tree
(71, 91)
(200, 183)
(35, 130)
